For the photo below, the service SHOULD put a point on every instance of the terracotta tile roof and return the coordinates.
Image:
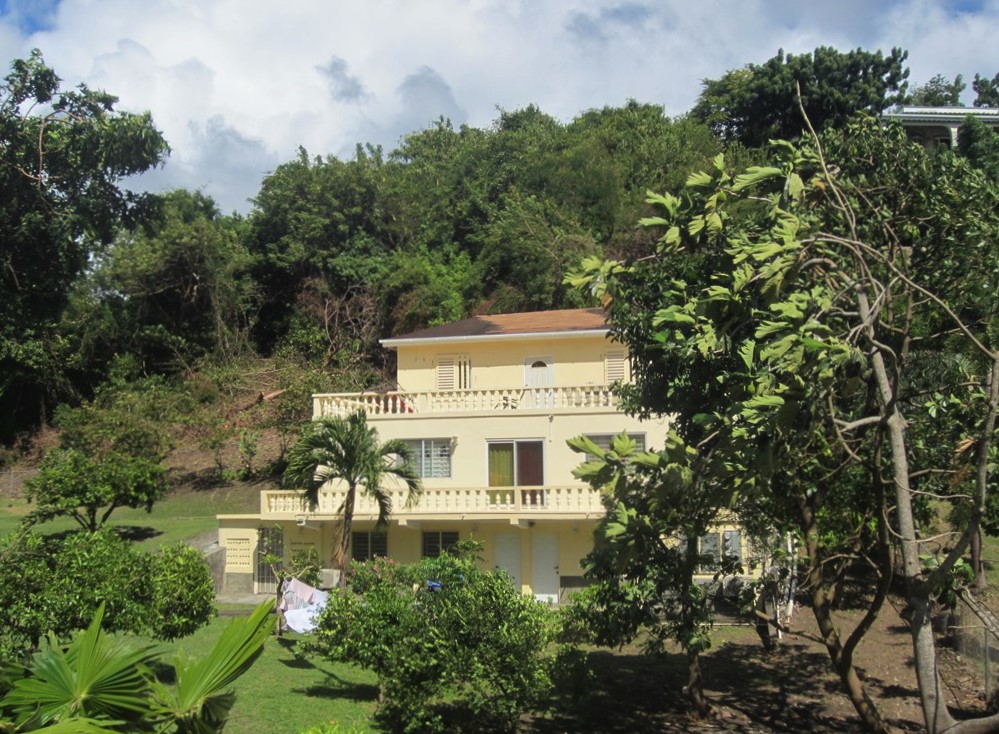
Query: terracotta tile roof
(535, 322)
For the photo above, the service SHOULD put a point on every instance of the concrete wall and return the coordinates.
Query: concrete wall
(500, 363)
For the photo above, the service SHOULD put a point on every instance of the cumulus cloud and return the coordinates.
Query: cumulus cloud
(343, 86)
(238, 85)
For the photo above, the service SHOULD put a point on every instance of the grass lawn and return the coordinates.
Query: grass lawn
(181, 515)
(285, 694)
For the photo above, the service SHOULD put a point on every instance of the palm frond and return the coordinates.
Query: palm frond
(95, 677)
(200, 698)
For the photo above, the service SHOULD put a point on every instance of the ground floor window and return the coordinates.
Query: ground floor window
(436, 542)
(713, 547)
(368, 545)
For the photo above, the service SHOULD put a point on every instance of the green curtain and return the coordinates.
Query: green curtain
(501, 465)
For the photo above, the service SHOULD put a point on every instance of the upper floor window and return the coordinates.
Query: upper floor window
(454, 372)
(603, 440)
(516, 464)
(432, 457)
(616, 366)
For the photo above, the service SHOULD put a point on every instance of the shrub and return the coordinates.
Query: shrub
(184, 594)
(466, 652)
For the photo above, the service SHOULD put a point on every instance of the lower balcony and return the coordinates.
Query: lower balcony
(484, 502)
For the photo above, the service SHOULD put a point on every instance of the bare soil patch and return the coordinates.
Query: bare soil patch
(793, 689)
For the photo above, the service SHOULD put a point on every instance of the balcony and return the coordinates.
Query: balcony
(581, 398)
(440, 504)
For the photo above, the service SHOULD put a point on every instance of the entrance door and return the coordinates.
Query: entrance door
(539, 377)
(508, 556)
(270, 542)
(544, 567)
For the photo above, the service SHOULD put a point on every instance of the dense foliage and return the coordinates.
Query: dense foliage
(62, 156)
(455, 648)
(759, 102)
(55, 585)
(811, 325)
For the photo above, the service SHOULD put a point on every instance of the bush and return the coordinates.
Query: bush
(184, 594)
(467, 652)
(56, 585)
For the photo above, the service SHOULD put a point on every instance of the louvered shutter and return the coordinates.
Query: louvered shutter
(615, 367)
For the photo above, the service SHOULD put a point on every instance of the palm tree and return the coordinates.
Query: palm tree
(348, 449)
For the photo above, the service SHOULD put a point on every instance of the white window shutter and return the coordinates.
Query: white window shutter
(615, 367)
(445, 373)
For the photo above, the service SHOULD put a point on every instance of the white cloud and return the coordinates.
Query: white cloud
(238, 85)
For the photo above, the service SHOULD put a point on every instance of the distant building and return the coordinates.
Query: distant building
(938, 126)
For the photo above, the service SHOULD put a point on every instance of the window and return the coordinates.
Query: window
(516, 464)
(603, 440)
(436, 542)
(712, 547)
(431, 457)
(615, 367)
(454, 372)
(365, 546)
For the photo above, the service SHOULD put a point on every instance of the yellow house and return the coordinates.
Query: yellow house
(488, 404)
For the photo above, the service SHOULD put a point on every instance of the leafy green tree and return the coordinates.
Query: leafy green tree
(819, 285)
(178, 287)
(646, 555)
(314, 219)
(979, 143)
(938, 92)
(88, 489)
(757, 103)
(986, 91)
(55, 585)
(348, 450)
(465, 652)
(64, 153)
(100, 684)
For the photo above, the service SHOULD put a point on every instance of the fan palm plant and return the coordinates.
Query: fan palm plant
(348, 449)
(100, 685)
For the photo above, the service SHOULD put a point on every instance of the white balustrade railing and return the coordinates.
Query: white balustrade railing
(561, 399)
(436, 502)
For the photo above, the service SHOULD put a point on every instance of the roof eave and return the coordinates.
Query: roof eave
(528, 336)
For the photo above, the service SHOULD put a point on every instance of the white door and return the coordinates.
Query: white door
(508, 556)
(539, 377)
(544, 567)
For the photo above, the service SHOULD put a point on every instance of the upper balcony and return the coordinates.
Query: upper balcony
(581, 398)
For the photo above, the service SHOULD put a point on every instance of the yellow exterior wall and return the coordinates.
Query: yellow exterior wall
(470, 434)
(499, 364)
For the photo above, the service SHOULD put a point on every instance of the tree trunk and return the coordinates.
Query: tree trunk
(840, 655)
(695, 686)
(935, 714)
(977, 565)
(348, 520)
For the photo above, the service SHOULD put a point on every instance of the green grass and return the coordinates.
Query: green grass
(175, 518)
(285, 694)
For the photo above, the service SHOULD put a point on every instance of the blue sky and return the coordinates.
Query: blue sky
(238, 85)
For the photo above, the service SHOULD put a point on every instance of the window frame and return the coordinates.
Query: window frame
(371, 552)
(419, 457)
(446, 540)
(516, 466)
